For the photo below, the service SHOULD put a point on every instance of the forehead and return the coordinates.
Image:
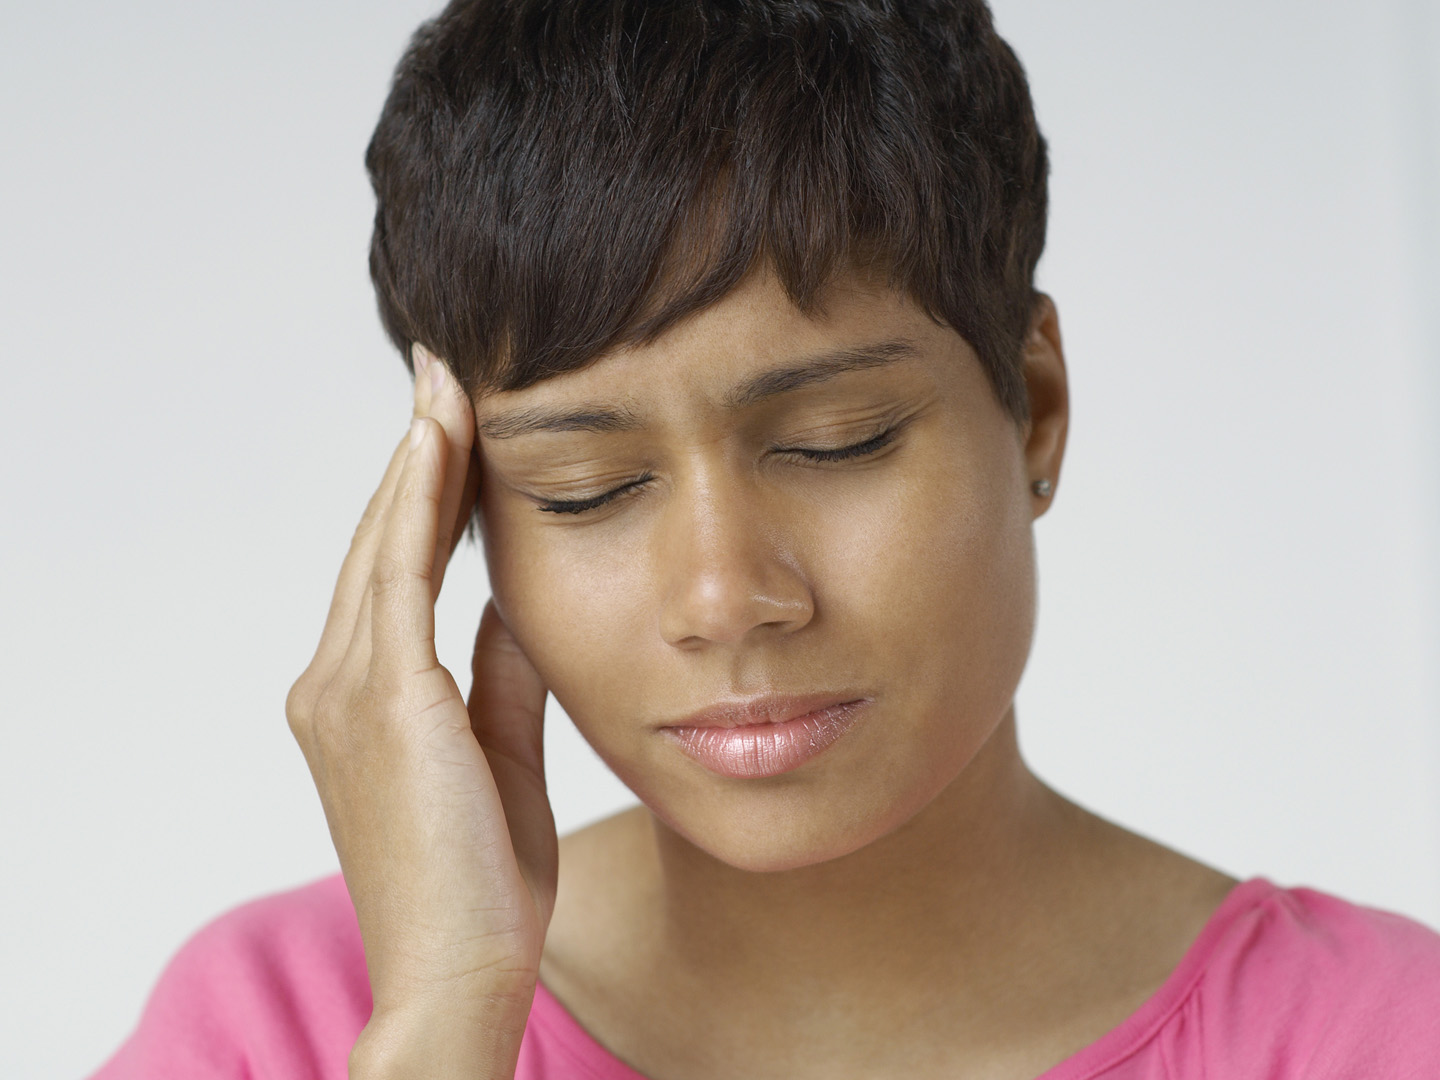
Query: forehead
(718, 352)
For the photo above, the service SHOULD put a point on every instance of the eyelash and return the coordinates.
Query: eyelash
(861, 449)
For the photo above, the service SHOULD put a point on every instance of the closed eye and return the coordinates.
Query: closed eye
(579, 506)
(860, 449)
(854, 450)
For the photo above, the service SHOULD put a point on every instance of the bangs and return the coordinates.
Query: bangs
(556, 181)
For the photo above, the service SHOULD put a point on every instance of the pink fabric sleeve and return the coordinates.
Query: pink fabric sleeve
(1313, 986)
(276, 988)
(1285, 984)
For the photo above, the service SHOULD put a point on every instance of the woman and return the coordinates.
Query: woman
(725, 340)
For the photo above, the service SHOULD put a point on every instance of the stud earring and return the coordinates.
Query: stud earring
(1042, 487)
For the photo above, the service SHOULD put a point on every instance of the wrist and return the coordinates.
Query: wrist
(442, 1041)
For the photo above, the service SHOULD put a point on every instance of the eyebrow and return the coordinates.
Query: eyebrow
(601, 418)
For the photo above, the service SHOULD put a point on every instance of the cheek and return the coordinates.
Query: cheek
(940, 564)
(932, 580)
(570, 605)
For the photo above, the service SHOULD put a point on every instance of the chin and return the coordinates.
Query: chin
(772, 830)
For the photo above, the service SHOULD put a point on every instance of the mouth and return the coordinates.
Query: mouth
(763, 709)
(764, 736)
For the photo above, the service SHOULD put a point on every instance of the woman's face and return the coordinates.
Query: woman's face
(727, 565)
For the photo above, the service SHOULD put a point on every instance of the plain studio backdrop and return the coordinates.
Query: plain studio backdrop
(1239, 605)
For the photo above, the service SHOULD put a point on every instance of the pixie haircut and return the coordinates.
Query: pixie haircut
(559, 178)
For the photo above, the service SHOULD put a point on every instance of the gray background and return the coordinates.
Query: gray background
(1240, 610)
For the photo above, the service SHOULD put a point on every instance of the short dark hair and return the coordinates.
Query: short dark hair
(557, 178)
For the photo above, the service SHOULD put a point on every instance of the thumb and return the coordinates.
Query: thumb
(507, 696)
(507, 715)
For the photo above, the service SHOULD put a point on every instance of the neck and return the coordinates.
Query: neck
(958, 885)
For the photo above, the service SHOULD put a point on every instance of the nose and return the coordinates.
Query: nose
(726, 571)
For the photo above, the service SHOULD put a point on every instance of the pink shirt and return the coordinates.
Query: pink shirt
(1280, 984)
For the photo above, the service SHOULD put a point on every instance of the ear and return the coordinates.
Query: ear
(1048, 390)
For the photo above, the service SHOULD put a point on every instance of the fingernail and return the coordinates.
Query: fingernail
(437, 377)
(417, 432)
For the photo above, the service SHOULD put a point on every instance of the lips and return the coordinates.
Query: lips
(765, 736)
(765, 709)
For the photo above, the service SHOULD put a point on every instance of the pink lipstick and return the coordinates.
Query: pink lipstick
(764, 736)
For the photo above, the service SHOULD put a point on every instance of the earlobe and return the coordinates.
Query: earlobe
(1047, 388)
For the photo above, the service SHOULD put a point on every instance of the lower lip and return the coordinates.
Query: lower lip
(752, 751)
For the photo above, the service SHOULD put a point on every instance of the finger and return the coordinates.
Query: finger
(450, 405)
(346, 637)
(354, 579)
(402, 608)
(507, 696)
(507, 715)
(420, 358)
(356, 662)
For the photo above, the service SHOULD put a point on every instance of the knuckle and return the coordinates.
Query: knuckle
(383, 496)
(332, 714)
(299, 705)
(365, 528)
(390, 575)
(374, 516)
(387, 703)
(339, 729)
(342, 719)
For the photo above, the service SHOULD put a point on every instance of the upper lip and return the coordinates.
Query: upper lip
(765, 709)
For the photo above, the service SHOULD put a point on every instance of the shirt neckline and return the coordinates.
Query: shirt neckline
(1140, 1027)
(595, 1062)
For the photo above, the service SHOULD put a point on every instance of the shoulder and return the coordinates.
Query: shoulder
(274, 987)
(1316, 986)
